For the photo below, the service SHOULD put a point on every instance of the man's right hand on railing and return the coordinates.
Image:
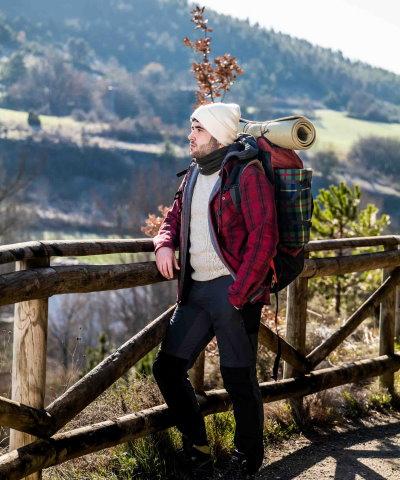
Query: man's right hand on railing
(166, 261)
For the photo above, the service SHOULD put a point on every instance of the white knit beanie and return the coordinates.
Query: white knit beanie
(221, 120)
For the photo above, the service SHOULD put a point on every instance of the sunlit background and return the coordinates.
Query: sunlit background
(366, 30)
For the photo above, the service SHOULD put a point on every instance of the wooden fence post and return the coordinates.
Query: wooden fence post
(397, 319)
(29, 355)
(196, 373)
(397, 312)
(296, 320)
(386, 329)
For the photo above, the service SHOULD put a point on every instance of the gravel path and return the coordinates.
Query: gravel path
(370, 450)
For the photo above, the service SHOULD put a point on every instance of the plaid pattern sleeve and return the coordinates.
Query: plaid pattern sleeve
(259, 212)
(168, 233)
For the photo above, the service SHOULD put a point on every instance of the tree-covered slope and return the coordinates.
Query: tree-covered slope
(279, 70)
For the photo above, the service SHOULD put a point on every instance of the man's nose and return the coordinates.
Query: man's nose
(190, 135)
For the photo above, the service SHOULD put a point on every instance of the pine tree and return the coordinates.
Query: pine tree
(337, 214)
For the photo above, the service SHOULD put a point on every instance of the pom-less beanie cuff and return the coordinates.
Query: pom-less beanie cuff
(221, 120)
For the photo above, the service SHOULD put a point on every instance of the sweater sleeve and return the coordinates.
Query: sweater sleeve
(168, 233)
(259, 212)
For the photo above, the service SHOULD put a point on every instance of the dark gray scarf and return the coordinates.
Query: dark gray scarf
(211, 163)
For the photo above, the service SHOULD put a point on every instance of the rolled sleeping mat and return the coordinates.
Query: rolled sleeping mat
(295, 132)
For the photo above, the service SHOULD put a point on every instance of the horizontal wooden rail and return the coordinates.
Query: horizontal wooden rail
(47, 281)
(323, 350)
(94, 383)
(322, 267)
(77, 248)
(24, 418)
(82, 441)
(73, 248)
(353, 242)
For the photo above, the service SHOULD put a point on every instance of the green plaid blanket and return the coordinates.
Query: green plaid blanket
(294, 205)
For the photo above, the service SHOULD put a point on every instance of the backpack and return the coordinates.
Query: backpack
(294, 206)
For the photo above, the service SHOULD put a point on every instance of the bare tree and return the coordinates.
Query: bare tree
(15, 215)
(213, 81)
(68, 320)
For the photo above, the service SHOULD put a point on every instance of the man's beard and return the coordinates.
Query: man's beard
(204, 150)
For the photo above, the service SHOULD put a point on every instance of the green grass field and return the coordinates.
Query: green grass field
(336, 130)
(15, 118)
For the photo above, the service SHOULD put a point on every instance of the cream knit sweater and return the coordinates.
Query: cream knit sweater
(203, 257)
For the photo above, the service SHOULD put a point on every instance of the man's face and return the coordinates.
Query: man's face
(201, 142)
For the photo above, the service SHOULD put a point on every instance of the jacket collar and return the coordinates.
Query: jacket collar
(244, 148)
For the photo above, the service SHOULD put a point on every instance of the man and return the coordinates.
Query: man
(224, 255)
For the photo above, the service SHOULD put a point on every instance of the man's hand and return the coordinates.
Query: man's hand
(166, 261)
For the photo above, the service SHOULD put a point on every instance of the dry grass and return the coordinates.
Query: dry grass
(14, 126)
(128, 394)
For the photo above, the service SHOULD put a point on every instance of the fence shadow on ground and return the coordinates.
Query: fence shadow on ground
(335, 455)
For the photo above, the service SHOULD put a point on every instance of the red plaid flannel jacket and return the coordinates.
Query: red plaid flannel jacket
(245, 240)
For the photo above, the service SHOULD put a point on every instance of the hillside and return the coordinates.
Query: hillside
(338, 131)
(87, 180)
(141, 43)
(114, 93)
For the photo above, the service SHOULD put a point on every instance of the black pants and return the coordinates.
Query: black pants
(208, 313)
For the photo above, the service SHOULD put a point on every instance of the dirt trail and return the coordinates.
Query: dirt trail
(370, 450)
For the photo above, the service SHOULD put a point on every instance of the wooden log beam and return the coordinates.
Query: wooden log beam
(72, 248)
(82, 441)
(387, 319)
(45, 282)
(24, 418)
(296, 322)
(322, 267)
(28, 379)
(269, 339)
(89, 387)
(397, 321)
(354, 242)
(367, 308)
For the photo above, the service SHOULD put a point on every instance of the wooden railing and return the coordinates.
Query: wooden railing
(34, 441)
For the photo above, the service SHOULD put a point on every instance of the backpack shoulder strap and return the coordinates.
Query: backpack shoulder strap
(263, 163)
(182, 172)
(266, 162)
(234, 180)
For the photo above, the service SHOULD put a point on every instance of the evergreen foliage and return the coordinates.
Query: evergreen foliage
(95, 355)
(337, 214)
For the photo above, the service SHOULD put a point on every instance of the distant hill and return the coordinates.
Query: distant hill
(87, 181)
(101, 39)
(111, 83)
